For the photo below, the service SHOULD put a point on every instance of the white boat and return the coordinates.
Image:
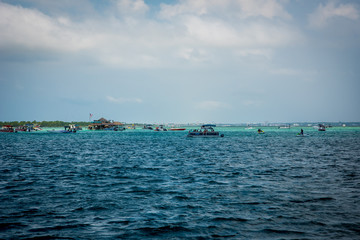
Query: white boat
(206, 131)
(321, 128)
(67, 129)
(114, 128)
(160, 129)
(148, 127)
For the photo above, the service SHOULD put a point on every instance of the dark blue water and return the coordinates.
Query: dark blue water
(161, 185)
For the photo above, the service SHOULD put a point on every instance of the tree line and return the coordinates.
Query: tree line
(44, 123)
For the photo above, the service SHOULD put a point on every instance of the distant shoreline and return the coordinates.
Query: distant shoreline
(259, 124)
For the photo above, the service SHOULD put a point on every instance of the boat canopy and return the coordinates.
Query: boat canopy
(208, 125)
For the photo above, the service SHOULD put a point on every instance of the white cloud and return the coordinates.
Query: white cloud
(133, 40)
(238, 8)
(212, 32)
(211, 105)
(123, 100)
(31, 29)
(216, 32)
(194, 55)
(331, 10)
(132, 7)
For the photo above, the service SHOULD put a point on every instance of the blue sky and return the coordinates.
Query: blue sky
(223, 61)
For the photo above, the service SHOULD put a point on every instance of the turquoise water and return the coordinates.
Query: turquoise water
(140, 184)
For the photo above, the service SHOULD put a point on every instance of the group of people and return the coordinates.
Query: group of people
(301, 131)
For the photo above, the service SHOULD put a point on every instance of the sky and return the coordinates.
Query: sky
(180, 61)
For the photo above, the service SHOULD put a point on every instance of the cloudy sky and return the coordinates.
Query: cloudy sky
(224, 61)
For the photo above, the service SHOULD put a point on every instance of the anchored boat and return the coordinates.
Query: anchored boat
(160, 129)
(148, 127)
(7, 128)
(67, 129)
(206, 130)
(28, 128)
(321, 128)
(177, 129)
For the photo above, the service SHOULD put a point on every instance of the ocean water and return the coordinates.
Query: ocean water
(140, 184)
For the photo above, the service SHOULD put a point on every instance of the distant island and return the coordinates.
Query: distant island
(44, 123)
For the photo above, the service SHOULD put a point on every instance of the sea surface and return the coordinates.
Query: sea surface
(141, 184)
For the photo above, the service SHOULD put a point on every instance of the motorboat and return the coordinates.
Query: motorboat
(77, 127)
(114, 128)
(67, 129)
(206, 131)
(148, 127)
(28, 128)
(177, 129)
(160, 129)
(321, 128)
(23, 128)
(7, 128)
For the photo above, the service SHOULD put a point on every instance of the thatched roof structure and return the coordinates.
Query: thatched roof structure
(102, 120)
(103, 123)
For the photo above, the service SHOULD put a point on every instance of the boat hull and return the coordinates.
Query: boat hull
(199, 135)
(60, 131)
(1, 130)
(177, 129)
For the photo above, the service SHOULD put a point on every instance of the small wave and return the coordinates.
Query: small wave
(137, 189)
(312, 223)
(223, 236)
(355, 227)
(16, 157)
(45, 237)
(232, 219)
(30, 211)
(163, 207)
(9, 225)
(14, 191)
(270, 230)
(181, 197)
(193, 206)
(59, 227)
(97, 208)
(216, 182)
(251, 203)
(313, 200)
(123, 222)
(164, 229)
(79, 209)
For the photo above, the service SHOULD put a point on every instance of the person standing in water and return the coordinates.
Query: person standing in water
(301, 132)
